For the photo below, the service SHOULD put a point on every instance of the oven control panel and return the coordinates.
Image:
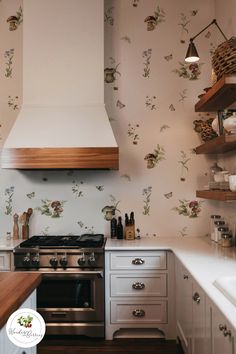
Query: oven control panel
(62, 260)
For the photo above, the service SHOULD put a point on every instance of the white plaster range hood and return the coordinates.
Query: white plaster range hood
(63, 122)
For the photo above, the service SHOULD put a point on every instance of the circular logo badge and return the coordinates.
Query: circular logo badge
(25, 328)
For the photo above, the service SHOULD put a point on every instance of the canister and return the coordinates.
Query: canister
(217, 224)
(221, 230)
(226, 239)
(213, 218)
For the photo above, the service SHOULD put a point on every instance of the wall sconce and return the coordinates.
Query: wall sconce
(192, 54)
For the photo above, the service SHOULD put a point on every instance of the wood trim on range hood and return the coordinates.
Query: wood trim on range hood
(61, 158)
(62, 123)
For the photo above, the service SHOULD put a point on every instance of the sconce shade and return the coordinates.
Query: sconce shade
(192, 54)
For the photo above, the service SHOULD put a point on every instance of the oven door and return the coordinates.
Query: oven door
(71, 297)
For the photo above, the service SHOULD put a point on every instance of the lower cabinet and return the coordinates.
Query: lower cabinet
(222, 334)
(6, 260)
(140, 294)
(6, 346)
(201, 327)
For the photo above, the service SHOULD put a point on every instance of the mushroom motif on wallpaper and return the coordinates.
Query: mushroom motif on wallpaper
(188, 208)
(153, 20)
(52, 208)
(110, 210)
(155, 157)
(110, 74)
(15, 20)
(189, 71)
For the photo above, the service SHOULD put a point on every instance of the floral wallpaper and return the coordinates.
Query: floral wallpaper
(149, 95)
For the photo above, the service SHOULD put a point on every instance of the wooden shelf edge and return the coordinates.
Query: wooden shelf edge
(216, 195)
(221, 95)
(220, 144)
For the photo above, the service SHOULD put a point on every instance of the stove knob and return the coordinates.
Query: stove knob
(35, 262)
(92, 260)
(54, 262)
(26, 260)
(63, 262)
(82, 260)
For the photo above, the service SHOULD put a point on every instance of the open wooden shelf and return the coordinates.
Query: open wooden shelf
(218, 145)
(221, 95)
(217, 195)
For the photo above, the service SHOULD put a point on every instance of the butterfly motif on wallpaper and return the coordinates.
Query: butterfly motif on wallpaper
(171, 107)
(168, 57)
(168, 195)
(119, 104)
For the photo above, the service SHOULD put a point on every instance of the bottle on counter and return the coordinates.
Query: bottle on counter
(113, 228)
(120, 234)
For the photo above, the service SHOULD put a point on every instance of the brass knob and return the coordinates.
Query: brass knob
(138, 313)
(138, 285)
(196, 298)
(138, 261)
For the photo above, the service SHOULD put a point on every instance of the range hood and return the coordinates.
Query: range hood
(63, 121)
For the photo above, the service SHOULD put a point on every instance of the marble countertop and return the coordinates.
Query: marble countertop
(8, 245)
(205, 261)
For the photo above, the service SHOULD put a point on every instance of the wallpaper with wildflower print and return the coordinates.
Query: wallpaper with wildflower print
(149, 95)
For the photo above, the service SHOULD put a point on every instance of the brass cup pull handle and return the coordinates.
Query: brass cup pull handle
(185, 276)
(222, 327)
(138, 286)
(138, 313)
(196, 298)
(227, 332)
(138, 261)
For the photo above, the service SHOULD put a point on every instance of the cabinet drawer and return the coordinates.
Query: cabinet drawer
(138, 285)
(5, 261)
(137, 312)
(138, 260)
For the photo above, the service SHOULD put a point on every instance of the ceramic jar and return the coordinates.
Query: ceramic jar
(230, 124)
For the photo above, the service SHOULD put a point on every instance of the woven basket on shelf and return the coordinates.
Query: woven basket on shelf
(224, 58)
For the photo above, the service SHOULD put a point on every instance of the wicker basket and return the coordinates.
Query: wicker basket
(224, 58)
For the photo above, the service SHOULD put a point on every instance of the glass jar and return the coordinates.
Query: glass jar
(213, 218)
(217, 224)
(221, 230)
(226, 239)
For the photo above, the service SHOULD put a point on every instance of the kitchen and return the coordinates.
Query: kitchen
(150, 105)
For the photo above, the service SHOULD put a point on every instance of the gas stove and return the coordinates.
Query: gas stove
(60, 252)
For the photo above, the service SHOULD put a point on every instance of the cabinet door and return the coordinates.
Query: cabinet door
(5, 261)
(222, 333)
(199, 325)
(184, 307)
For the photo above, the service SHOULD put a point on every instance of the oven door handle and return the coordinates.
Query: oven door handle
(79, 275)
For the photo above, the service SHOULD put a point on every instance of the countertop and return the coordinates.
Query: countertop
(8, 245)
(204, 259)
(15, 287)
